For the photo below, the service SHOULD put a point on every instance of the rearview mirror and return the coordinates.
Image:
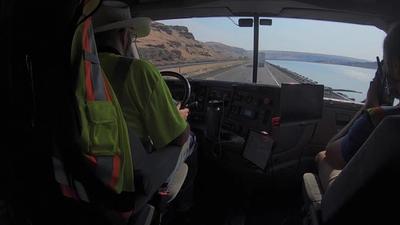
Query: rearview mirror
(245, 22)
(249, 22)
(267, 22)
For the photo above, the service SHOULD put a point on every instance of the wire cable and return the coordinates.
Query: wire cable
(219, 142)
(233, 21)
(302, 149)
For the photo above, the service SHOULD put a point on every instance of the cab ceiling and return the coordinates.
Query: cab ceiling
(379, 13)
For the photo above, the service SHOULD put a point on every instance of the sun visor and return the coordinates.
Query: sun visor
(333, 15)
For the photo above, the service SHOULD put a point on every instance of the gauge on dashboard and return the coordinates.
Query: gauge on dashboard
(249, 99)
(248, 113)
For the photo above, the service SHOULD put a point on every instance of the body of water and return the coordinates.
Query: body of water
(334, 76)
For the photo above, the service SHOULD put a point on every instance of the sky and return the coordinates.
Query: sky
(357, 41)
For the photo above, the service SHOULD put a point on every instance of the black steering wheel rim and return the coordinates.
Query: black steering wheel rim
(186, 83)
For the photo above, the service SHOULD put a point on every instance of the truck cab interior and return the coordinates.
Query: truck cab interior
(256, 142)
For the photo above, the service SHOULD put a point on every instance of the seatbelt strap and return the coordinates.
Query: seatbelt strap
(120, 74)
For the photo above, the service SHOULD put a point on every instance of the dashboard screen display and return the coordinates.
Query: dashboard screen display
(301, 102)
(247, 113)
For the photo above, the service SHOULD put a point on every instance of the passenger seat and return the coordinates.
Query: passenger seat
(364, 191)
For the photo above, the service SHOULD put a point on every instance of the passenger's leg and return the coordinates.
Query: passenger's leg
(327, 174)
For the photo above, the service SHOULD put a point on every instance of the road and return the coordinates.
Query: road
(244, 73)
(266, 75)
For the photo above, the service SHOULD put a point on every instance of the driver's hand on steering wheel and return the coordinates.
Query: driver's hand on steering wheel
(184, 112)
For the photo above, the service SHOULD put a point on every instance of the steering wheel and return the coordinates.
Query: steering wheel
(186, 84)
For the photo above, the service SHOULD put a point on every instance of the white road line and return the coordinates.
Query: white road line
(273, 77)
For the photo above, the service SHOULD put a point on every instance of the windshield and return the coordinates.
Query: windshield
(340, 56)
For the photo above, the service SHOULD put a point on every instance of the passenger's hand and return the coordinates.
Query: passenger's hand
(372, 94)
(184, 113)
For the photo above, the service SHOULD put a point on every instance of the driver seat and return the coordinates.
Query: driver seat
(144, 162)
(78, 194)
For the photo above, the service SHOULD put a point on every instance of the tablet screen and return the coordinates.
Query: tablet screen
(258, 149)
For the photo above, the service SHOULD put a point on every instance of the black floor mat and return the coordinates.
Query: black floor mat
(228, 192)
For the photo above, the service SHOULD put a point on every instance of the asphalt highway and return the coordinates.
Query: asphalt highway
(244, 73)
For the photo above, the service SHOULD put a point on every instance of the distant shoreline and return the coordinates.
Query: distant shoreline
(368, 65)
(319, 58)
(328, 93)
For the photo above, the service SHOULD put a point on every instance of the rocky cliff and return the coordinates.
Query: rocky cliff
(176, 44)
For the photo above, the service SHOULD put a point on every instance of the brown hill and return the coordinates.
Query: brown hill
(175, 44)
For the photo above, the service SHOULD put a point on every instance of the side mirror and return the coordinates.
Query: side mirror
(245, 22)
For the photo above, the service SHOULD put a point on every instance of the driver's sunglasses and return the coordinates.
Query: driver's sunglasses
(132, 35)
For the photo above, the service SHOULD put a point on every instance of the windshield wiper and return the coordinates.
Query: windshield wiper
(343, 90)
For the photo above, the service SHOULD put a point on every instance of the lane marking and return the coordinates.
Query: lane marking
(226, 72)
(273, 77)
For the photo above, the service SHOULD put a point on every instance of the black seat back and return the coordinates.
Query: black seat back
(367, 190)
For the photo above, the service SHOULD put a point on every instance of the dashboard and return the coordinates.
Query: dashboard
(269, 126)
(246, 106)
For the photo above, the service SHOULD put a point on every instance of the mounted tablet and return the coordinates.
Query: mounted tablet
(258, 148)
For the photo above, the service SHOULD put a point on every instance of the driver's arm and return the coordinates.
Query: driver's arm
(157, 115)
(181, 139)
(162, 119)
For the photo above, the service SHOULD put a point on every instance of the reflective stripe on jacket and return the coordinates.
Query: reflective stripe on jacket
(104, 134)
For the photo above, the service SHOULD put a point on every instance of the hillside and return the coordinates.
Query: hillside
(226, 51)
(175, 44)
